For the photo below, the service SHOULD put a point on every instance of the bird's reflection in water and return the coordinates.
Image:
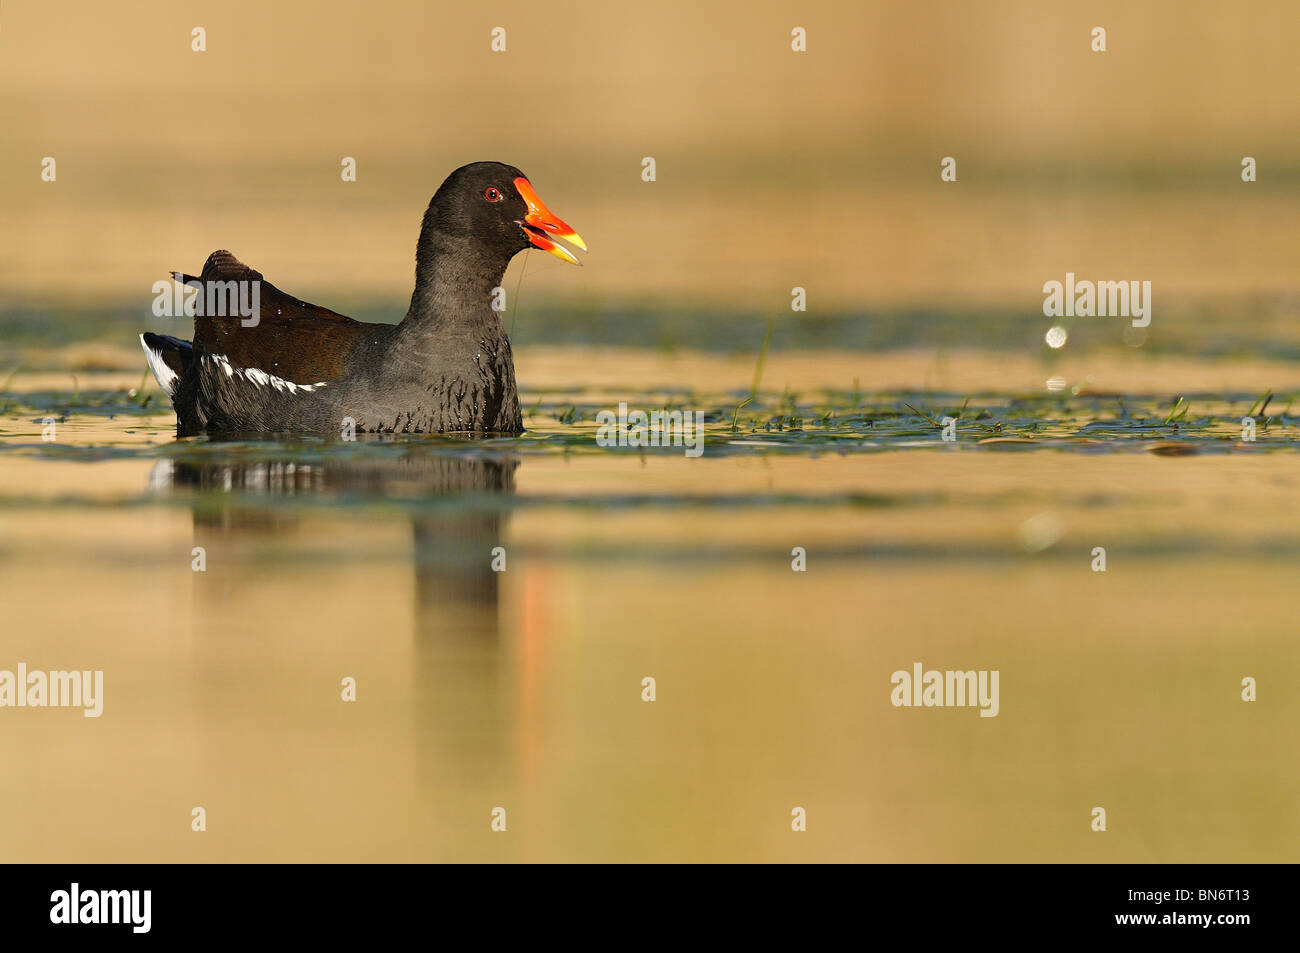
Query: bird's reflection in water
(454, 503)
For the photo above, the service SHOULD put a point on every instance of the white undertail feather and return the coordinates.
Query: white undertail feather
(163, 374)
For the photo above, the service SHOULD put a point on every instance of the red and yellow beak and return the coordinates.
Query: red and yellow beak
(540, 223)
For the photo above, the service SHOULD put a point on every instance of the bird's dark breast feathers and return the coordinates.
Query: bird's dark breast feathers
(443, 404)
(466, 386)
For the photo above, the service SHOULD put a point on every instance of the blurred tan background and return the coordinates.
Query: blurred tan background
(775, 168)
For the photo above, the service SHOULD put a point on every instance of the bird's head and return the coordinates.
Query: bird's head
(495, 204)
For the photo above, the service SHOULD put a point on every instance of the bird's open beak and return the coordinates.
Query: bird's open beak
(540, 224)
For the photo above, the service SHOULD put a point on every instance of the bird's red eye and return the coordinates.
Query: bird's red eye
(492, 194)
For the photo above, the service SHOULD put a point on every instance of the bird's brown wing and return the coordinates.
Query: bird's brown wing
(292, 339)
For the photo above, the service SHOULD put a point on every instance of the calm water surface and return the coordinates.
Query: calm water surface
(522, 689)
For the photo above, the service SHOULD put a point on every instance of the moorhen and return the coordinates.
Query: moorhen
(298, 367)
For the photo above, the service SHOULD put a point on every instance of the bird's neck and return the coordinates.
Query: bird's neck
(454, 287)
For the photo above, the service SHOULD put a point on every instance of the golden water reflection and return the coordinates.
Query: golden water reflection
(522, 689)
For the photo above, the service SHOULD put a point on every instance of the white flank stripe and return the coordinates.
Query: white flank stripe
(259, 377)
